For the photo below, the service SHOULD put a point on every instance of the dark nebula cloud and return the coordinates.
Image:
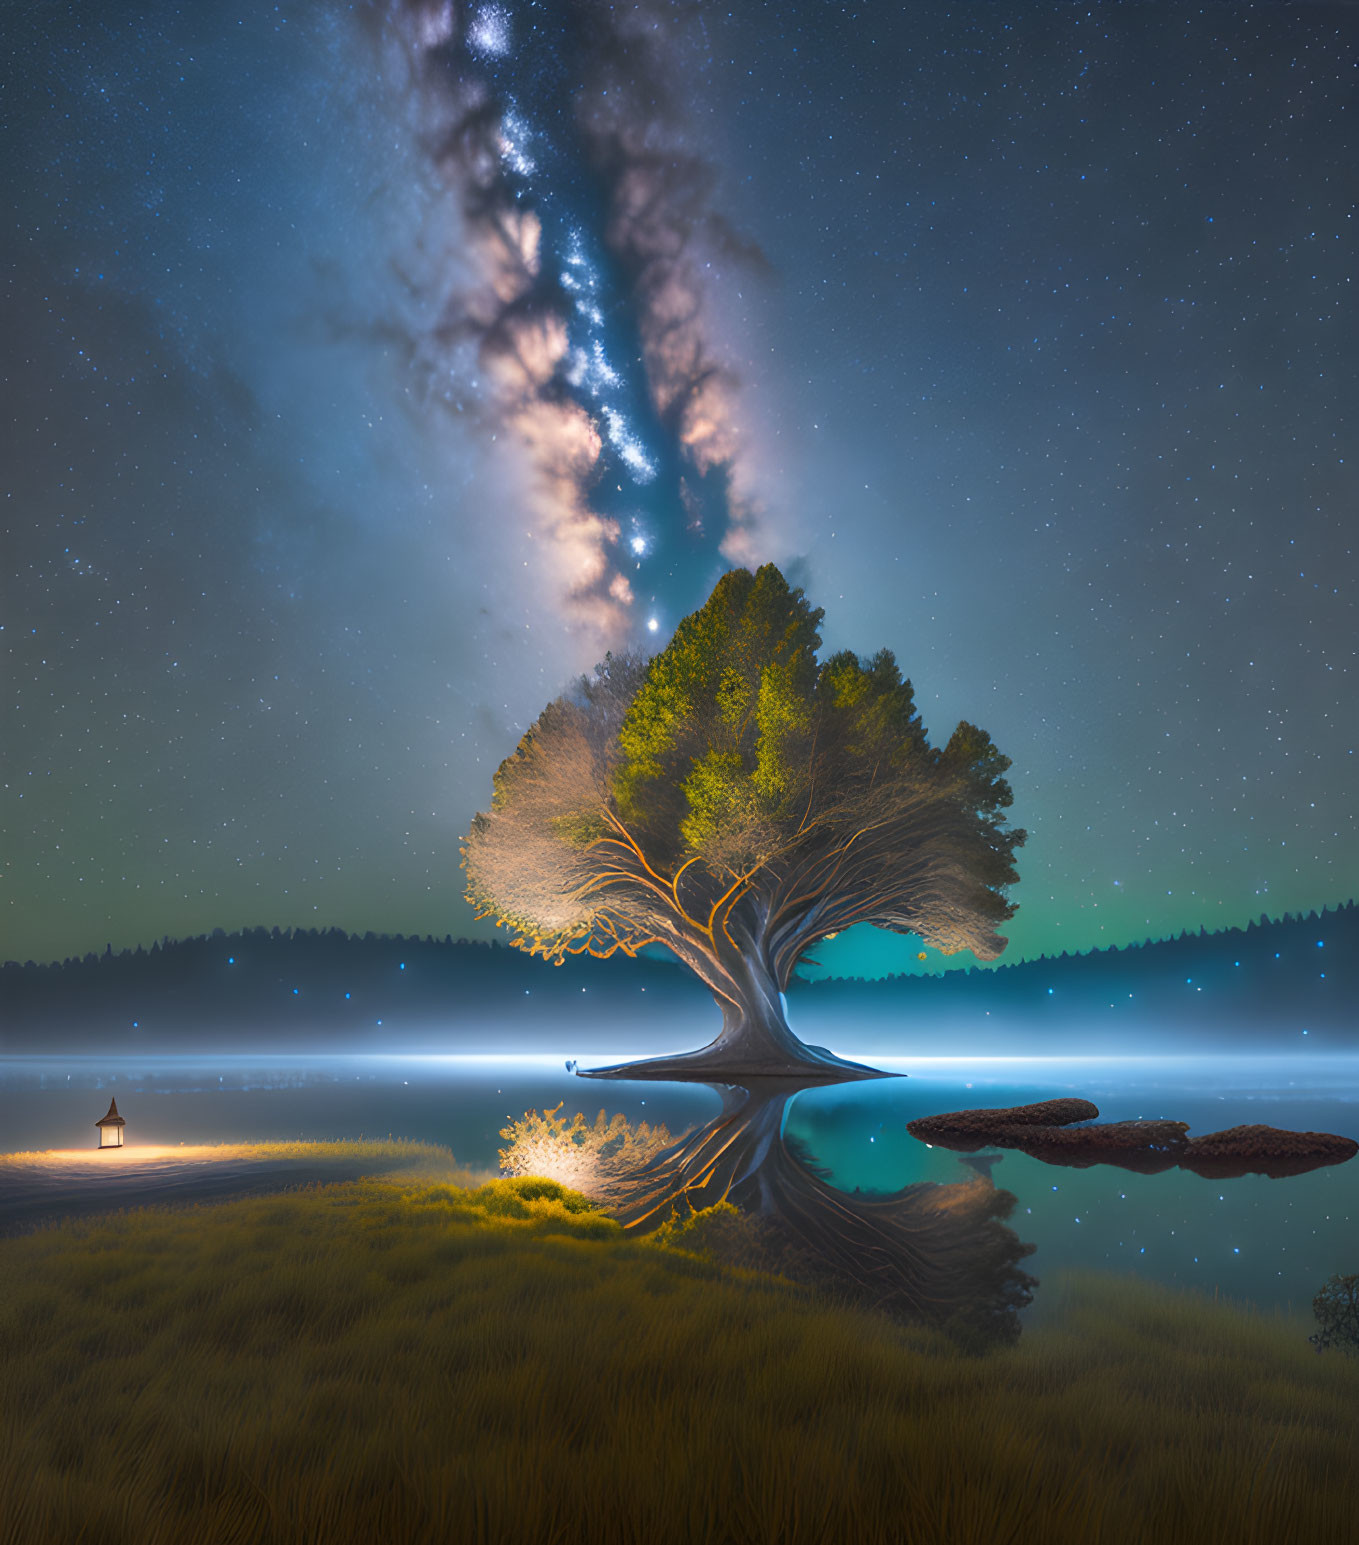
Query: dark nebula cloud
(577, 316)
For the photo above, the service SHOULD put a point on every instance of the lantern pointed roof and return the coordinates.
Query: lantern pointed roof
(113, 1119)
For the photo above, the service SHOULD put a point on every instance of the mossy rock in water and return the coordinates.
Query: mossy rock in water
(978, 1125)
(1265, 1151)
(1107, 1136)
(1272, 1143)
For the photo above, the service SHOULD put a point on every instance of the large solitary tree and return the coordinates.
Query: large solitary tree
(736, 800)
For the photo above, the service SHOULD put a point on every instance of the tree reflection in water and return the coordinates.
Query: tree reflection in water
(930, 1253)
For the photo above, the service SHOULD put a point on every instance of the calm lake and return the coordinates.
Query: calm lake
(1269, 1241)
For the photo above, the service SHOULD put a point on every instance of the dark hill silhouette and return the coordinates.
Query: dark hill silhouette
(315, 989)
(1287, 984)
(1275, 984)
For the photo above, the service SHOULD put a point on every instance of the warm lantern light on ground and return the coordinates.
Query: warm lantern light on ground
(111, 1128)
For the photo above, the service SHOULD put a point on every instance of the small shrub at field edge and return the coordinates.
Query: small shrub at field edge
(401, 1362)
(1336, 1307)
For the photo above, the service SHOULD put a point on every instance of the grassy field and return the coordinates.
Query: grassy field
(388, 1362)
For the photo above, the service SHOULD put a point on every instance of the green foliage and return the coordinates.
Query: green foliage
(870, 711)
(736, 735)
(971, 754)
(580, 828)
(731, 692)
(375, 1362)
(783, 719)
(720, 798)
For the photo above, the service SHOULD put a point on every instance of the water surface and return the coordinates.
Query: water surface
(1270, 1241)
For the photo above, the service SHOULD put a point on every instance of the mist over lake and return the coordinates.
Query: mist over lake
(1269, 1241)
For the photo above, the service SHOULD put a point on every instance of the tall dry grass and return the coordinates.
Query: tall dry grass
(385, 1363)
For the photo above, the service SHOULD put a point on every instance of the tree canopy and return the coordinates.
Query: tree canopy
(736, 799)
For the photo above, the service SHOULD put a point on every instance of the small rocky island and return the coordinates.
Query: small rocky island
(1047, 1130)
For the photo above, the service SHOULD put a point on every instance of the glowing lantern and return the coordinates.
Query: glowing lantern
(111, 1128)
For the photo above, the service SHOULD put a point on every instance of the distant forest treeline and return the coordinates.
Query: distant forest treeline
(1274, 980)
(294, 988)
(300, 986)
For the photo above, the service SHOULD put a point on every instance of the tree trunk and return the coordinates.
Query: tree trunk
(755, 1040)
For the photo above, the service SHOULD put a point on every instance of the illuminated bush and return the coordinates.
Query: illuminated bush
(586, 1156)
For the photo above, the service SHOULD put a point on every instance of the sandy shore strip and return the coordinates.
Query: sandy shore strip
(48, 1186)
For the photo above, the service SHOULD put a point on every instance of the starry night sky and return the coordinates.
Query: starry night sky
(1027, 340)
